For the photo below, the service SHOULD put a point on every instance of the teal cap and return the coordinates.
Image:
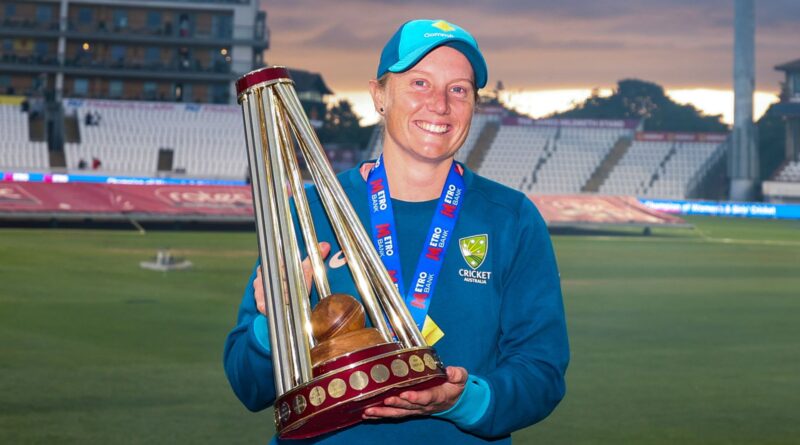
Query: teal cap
(415, 39)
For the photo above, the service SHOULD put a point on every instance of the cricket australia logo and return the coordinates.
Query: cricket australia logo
(473, 250)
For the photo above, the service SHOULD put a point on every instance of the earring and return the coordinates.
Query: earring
(381, 109)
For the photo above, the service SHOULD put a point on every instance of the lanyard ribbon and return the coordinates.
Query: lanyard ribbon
(418, 297)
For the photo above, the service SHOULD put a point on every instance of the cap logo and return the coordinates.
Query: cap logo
(444, 26)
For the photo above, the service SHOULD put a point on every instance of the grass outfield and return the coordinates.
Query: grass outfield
(680, 337)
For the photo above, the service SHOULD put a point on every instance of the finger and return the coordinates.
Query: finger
(457, 375)
(377, 412)
(324, 249)
(262, 308)
(436, 398)
(258, 292)
(403, 403)
(308, 271)
(420, 398)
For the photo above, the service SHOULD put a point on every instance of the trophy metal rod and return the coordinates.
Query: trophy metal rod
(310, 146)
(355, 264)
(369, 263)
(392, 312)
(303, 212)
(339, 224)
(393, 307)
(362, 281)
(294, 108)
(267, 240)
(278, 269)
(295, 291)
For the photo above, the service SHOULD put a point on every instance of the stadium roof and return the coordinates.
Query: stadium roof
(308, 81)
(791, 67)
(787, 109)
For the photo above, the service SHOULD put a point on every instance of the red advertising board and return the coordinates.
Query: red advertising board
(140, 201)
(43, 197)
(599, 210)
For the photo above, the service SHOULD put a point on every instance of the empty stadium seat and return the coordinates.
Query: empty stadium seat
(207, 140)
(662, 169)
(16, 150)
(548, 159)
(789, 173)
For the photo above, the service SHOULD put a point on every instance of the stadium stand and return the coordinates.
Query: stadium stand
(685, 169)
(663, 168)
(516, 153)
(576, 154)
(479, 121)
(784, 187)
(636, 168)
(16, 150)
(789, 173)
(375, 142)
(206, 139)
(551, 155)
(542, 157)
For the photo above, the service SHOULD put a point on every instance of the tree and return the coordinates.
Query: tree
(342, 126)
(638, 99)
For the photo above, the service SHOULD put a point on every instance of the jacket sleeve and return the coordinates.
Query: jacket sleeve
(528, 381)
(247, 357)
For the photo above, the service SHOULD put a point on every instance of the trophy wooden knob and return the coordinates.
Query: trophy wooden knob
(344, 344)
(335, 315)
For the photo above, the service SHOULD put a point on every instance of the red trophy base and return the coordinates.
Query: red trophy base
(347, 385)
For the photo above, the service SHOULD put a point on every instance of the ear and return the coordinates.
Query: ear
(378, 95)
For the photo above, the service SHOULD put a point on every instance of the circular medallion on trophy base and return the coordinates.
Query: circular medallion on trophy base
(399, 368)
(338, 395)
(358, 380)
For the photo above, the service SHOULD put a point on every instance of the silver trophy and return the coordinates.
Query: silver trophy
(328, 365)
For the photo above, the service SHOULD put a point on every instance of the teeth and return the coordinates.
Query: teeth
(433, 128)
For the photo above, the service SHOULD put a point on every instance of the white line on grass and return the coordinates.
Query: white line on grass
(702, 238)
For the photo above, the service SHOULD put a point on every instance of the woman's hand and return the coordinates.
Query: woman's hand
(258, 287)
(430, 401)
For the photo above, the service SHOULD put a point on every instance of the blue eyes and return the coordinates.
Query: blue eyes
(460, 90)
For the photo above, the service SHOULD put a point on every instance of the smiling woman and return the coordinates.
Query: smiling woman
(490, 301)
(428, 110)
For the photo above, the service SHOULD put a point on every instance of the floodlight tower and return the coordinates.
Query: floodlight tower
(743, 165)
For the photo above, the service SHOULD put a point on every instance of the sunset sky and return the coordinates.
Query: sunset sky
(548, 54)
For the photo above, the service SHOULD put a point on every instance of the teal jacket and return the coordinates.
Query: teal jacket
(503, 320)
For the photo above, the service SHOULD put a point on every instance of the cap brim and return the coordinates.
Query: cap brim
(474, 57)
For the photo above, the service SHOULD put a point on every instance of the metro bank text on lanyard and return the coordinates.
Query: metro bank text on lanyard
(418, 297)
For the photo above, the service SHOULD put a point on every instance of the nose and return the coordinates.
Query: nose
(437, 102)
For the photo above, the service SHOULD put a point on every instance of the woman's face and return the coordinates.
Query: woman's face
(428, 109)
